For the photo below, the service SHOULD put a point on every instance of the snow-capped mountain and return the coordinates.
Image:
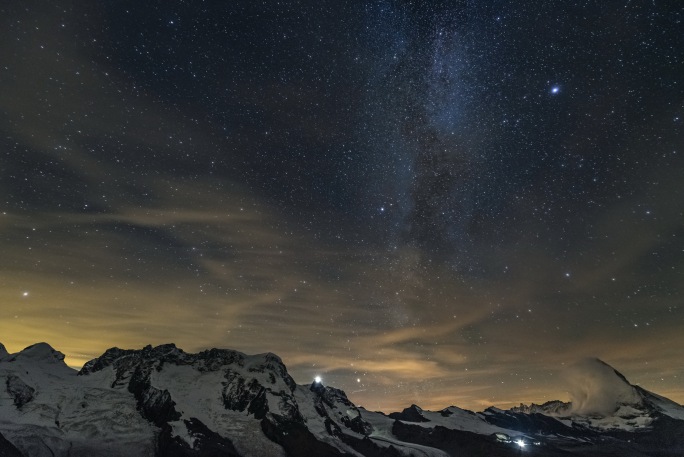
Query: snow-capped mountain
(161, 401)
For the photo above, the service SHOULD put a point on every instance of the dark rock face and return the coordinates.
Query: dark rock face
(7, 449)
(209, 443)
(215, 359)
(259, 405)
(535, 423)
(550, 407)
(20, 392)
(360, 426)
(206, 443)
(334, 406)
(331, 396)
(156, 405)
(666, 433)
(332, 399)
(368, 448)
(105, 360)
(296, 439)
(236, 394)
(410, 414)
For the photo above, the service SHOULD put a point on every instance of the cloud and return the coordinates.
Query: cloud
(596, 388)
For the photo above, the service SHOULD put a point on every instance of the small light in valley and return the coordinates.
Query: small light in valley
(520, 443)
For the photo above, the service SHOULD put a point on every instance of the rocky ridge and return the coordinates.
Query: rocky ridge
(162, 401)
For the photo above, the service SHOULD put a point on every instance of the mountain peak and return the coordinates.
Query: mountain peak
(597, 388)
(413, 413)
(162, 349)
(41, 351)
(164, 353)
(3, 351)
(209, 360)
(617, 373)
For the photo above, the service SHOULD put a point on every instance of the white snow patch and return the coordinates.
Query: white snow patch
(179, 429)
(667, 406)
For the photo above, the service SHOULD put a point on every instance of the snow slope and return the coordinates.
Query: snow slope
(66, 413)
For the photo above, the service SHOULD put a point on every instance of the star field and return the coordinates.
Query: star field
(421, 202)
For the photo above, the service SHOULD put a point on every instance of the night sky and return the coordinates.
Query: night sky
(440, 203)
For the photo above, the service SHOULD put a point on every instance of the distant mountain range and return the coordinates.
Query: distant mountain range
(161, 401)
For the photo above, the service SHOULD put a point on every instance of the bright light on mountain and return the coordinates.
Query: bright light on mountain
(317, 379)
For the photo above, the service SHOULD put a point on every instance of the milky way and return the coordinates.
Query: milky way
(433, 204)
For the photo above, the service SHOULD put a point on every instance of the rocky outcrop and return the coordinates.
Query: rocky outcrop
(411, 414)
(296, 439)
(206, 443)
(20, 392)
(237, 393)
(108, 358)
(554, 407)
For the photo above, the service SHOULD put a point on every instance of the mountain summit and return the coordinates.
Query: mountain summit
(162, 401)
(597, 388)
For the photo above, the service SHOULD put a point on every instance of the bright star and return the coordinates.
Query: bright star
(555, 89)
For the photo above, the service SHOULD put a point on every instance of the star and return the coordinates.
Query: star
(555, 90)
